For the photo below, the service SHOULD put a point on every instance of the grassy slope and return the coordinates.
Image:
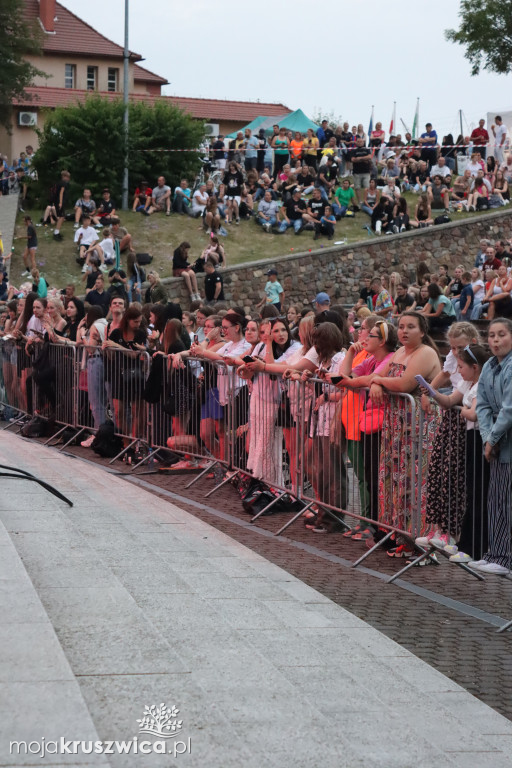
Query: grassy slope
(159, 235)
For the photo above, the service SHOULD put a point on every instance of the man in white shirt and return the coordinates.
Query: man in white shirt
(499, 132)
(199, 200)
(440, 169)
(86, 236)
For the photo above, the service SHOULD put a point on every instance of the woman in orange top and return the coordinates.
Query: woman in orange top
(352, 407)
(297, 146)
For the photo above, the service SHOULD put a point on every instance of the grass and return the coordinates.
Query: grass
(160, 235)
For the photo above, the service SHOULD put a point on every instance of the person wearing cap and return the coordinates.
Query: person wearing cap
(321, 302)
(274, 293)
(292, 212)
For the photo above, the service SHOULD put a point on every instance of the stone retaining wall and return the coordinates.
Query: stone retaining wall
(339, 269)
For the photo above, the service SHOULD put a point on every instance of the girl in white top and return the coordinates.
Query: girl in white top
(471, 518)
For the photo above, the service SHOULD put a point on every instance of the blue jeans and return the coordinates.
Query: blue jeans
(271, 220)
(340, 210)
(295, 223)
(96, 389)
(324, 194)
(366, 209)
(132, 290)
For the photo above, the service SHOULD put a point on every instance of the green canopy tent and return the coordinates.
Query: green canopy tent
(295, 121)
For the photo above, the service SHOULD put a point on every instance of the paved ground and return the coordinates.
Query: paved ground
(126, 600)
(8, 209)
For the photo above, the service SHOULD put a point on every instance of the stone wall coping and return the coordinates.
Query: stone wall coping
(360, 244)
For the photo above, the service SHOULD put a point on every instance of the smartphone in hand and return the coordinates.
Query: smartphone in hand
(424, 383)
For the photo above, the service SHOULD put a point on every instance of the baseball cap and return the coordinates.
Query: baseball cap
(272, 272)
(322, 298)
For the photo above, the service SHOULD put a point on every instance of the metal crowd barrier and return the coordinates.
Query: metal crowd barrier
(394, 470)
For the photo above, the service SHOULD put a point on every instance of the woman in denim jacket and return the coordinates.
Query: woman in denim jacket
(494, 412)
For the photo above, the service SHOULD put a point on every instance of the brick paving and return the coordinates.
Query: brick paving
(463, 647)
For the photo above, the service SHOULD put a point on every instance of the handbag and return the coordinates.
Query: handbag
(371, 420)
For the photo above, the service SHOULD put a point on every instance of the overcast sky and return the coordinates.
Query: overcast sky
(344, 58)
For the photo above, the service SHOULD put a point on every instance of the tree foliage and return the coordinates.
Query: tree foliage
(486, 33)
(88, 141)
(18, 38)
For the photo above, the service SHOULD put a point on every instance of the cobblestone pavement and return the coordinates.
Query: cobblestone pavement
(450, 620)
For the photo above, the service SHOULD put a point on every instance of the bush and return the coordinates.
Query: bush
(88, 141)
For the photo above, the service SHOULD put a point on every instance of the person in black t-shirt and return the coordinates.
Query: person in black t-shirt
(219, 153)
(404, 300)
(365, 293)
(98, 296)
(59, 198)
(292, 213)
(305, 180)
(106, 210)
(213, 285)
(315, 210)
(233, 181)
(29, 254)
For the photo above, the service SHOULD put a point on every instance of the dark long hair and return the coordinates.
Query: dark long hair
(332, 316)
(160, 313)
(132, 313)
(172, 333)
(27, 311)
(93, 313)
(278, 350)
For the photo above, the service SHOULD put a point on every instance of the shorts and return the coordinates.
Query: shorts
(211, 408)
(361, 180)
(178, 272)
(60, 211)
(236, 198)
(221, 164)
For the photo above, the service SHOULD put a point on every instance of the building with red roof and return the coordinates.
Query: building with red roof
(80, 61)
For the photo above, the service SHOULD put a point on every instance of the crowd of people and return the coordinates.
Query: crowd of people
(300, 397)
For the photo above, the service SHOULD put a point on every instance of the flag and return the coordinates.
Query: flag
(370, 127)
(392, 125)
(416, 120)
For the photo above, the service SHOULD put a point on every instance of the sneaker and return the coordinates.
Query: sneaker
(362, 535)
(400, 551)
(104, 268)
(317, 528)
(351, 532)
(425, 541)
(238, 220)
(395, 229)
(494, 568)
(75, 225)
(84, 268)
(167, 213)
(223, 232)
(57, 236)
(266, 226)
(87, 443)
(25, 273)
(475, 563)
(460, 557)
(442, 540)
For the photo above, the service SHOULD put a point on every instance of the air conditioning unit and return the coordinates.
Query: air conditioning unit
(211, 129)
(27, 118)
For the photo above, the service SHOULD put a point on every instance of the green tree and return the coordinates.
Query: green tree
(18, 38)
(486, 33)
(87, 139)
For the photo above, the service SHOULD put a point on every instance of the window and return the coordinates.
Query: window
(70, 76)
(92, 78)
(113, 79)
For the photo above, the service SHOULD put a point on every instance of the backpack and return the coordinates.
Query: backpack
(36, 427)
(442, 219)
(143, 258)
(106, 443)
